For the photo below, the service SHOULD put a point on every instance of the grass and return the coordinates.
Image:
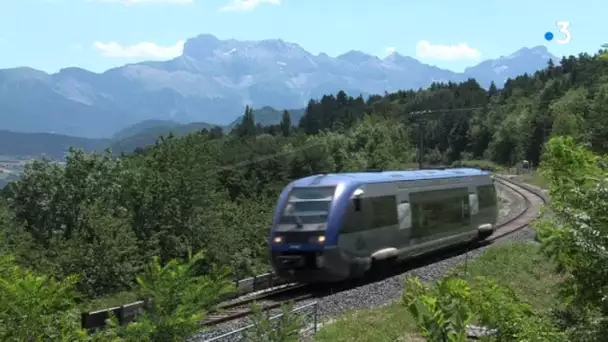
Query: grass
(481, 164)
(389, 323)
(534, 178)
(107, 302)
(519, 266)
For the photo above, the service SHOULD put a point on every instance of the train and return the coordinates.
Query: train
(334, 227)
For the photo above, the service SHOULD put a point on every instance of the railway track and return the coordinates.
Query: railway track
(273, 299)
(269, 300)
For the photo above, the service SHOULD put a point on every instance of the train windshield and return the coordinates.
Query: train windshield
(308, 205)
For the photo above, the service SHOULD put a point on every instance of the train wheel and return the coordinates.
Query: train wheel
(379, 268)
(483, 235)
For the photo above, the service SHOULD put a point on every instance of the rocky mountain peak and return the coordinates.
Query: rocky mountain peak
(201, 46)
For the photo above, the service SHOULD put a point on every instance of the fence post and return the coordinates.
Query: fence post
(315, 313)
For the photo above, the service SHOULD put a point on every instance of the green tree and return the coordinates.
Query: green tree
(247, 127)
(576, 236)
(286, 124)
(604, 54)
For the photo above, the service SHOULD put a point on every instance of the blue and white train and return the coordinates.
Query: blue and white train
(332, 227)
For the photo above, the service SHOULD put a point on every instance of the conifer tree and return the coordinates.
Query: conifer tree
(285, 124)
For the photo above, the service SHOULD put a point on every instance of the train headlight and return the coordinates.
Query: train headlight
(277, 239)
(321, 238)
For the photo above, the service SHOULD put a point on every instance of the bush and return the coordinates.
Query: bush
(576, 236)
(35, 307)
(443, 311)
(40, 308)
(177, 297)
(499, 307)
(284, 328)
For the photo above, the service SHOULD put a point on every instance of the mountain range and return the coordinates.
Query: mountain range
(214, 79)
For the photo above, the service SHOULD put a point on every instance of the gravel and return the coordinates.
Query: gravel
(388, 290)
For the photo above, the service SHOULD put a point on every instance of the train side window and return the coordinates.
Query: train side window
(384, 211)
(404, 215)
(435, 211)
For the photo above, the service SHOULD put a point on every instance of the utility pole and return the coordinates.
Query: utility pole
(418, 117)
(421, 145)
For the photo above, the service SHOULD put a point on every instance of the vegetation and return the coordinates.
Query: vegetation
(534, 178)
(93, 225)
(519, 267)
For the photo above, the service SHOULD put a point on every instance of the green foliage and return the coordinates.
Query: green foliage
(284, 327)
(177, 297)
(75, 224)
(480, 164)
(443, 311)
(40, 308)
(576, 236)
(499, 307)
(35, 307)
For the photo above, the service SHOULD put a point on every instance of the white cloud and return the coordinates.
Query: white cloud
(247, 5)
(135, 2)
(424, 49)
(144, 49)
(390, 50)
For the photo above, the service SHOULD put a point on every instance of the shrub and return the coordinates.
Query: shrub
(35, 307)
(576, 235)
(177, 297)
(443, 311)
(284, 328)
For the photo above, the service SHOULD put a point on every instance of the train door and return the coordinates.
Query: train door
(404, 217)
(474, 206)
(356, 222)
(473, 203)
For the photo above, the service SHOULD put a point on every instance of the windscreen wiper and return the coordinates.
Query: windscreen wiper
(298, 221)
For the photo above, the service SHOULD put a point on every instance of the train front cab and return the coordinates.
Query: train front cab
(302, 246)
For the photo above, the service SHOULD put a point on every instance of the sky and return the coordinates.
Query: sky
(102, 34)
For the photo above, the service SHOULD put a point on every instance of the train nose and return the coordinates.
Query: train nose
(291, 261)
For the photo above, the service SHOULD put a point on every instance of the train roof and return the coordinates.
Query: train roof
(332, 179)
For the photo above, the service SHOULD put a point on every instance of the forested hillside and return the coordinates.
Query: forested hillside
(145, 133)
(38, 144)
(105, 218)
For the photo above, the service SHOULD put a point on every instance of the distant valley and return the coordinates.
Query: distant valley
(213, 81)
(17, 144)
